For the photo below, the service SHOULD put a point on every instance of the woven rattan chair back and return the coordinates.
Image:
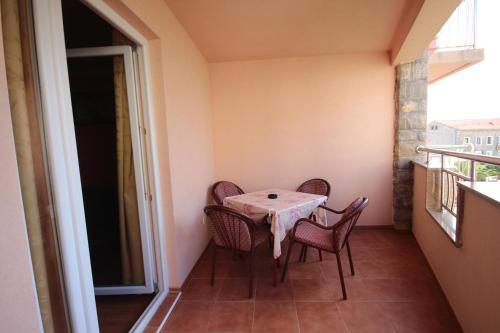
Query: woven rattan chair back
(343, 228)
(315, 186)
(231, 229)
(223, 189)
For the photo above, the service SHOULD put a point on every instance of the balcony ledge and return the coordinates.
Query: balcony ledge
(487, 190)
(443, 63)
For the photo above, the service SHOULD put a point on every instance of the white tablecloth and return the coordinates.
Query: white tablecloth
(283, 212)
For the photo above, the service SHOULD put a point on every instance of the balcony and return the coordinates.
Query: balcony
(454, 47)
(262, 93)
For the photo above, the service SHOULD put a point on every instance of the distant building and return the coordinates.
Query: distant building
(483, 134)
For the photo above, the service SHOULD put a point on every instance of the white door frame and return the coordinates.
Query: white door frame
(136, 127)
(64, 168)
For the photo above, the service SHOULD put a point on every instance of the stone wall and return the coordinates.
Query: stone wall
(410, 131)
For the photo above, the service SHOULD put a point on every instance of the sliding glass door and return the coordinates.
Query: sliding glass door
(111, 155)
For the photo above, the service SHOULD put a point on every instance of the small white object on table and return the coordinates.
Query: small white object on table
(282, 212)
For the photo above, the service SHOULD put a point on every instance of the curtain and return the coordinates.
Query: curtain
(130, 235)
(30, 159)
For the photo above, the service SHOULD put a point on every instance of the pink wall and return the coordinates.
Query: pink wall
(279, 122)
(183, 124)
(470, 275)
(18, 306)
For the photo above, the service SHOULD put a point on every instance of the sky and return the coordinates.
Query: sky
(475, 91)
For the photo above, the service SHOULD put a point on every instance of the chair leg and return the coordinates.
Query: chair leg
(320, 255)
(212, 277)
(302, 249)
(350, 257)
(341, 274)
(286, 261)
(250, 284)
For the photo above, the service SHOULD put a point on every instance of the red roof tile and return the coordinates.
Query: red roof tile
(473, 124)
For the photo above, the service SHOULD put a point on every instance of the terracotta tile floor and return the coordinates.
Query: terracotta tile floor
(118, 313)
(393, 290)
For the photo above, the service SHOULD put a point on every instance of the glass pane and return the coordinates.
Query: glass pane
(28, 131)
(102, 128)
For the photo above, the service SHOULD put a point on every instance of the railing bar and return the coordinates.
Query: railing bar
(447, 191)
(442, 182)
(453, 192)
(451, 212)
(459, 175)
(466, 156)
(475, 24)
(450, 189)
(452, 35)
(447, 200)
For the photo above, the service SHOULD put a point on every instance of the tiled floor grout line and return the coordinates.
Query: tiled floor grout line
(297, 315)
(390, 322)
(210, 316)
(342, 317)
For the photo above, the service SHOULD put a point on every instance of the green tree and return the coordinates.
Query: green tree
(486, 170)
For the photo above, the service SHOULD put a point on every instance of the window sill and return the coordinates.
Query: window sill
(447, 222)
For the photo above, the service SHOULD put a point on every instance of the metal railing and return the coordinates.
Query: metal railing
(459, 32)
(453, 171)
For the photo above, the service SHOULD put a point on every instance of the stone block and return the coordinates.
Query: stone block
(404, 224)
(406, 135)
(422, 137)
(413, 121)
(406, 149)
(409, 106)
(402, 215)
(404, 164)
(415, 90)
(403, 72)
(420, 69)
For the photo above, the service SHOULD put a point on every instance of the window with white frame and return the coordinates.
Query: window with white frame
(489, 140)
(467, 139)
(478, 140)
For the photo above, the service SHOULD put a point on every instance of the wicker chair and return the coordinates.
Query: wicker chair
(314, 186)
(332, 239)
(236, 232)
(223, 189)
